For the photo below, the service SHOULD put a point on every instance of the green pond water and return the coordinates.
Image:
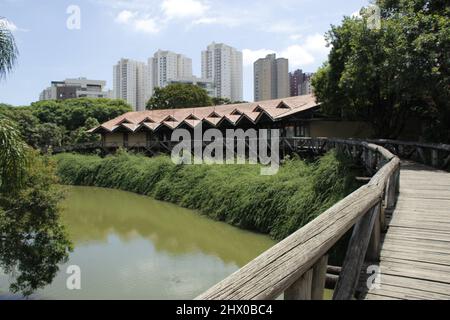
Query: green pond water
(133, 247)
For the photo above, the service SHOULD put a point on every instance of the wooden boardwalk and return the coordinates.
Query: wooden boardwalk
(415, 252)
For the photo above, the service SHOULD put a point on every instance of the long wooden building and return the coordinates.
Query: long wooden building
(295, 117)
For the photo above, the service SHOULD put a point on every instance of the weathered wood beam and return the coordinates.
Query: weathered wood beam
(374, 247)
(355, 255)
(300, 289)
(319, 278)
(334, 270)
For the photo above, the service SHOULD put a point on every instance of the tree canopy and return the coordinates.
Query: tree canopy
(386, 76)
(32, 240)
(51, 123)
(179, 95)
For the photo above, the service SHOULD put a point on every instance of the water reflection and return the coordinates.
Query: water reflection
(131, 246)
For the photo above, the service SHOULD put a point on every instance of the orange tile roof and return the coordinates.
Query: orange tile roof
(152, 119)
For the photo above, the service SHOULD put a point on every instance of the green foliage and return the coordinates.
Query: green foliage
(389, 75)
(237, 194)
(81, 135)
(73, 113)
(50, 123)
(8, 49)
(221, 101)
(179, 95)
(32, 241)
(13, 156)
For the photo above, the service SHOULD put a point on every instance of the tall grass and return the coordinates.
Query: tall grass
(237, 194)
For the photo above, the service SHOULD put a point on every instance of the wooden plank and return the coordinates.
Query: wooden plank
(416, 264)
(414, 272)
(408, 293)
(319, 278)
(413, 256)
(300, 289)
(354, 257)
(371, 296)
(416, 284)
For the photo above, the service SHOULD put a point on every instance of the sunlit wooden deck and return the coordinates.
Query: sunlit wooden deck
(415, 252)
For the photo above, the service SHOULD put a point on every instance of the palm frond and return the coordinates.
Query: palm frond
(8, 49)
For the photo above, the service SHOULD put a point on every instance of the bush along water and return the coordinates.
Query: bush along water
(237, 194)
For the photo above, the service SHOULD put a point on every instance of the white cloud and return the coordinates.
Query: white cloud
(218, 20)
(297, 55)
(295, 37)
(282, 27)
(125, 16)
(173, 9)
(250, 56)
(317, 44)
(147, 25)
(313, 49)
(141, 24)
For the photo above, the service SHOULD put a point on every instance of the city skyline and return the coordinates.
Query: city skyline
(135, 29)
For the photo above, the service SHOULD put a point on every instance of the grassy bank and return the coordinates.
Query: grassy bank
(237, 194)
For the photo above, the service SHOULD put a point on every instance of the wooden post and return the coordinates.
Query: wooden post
(369, 160)
(421, 155)
(300, 289)
(390, 193)
(397, 180)
(319, 277)
(373, 250)
(434, 158)
(355, 255)
(400, 150)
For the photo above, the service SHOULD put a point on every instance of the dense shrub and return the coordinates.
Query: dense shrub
(237, 194)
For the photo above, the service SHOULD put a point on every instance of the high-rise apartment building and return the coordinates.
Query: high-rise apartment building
(300, 83)
(271, 78)
(206, 84)
(132, 83)
(74, 88)
(295, 80)
(306, 86)
(223, 65)
(168, 66)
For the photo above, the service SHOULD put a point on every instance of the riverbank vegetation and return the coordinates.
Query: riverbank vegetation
(237, 194)
(32, 240)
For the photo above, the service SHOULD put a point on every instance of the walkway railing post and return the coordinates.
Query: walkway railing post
(311, 285)
(356, 252)
(300, 289)
(374, 248)
(434, 158)
(319, 278)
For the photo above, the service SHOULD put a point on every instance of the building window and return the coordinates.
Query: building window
(302, 129)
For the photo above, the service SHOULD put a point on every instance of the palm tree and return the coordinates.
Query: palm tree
(12, 148)
(8, 49)
(13, 156)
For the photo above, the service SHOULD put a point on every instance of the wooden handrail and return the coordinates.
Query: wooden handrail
(289, 265)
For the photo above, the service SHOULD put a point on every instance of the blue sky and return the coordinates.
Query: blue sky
(111, 29)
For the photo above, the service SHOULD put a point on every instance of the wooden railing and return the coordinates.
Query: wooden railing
(432, 154)
(297, 265)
